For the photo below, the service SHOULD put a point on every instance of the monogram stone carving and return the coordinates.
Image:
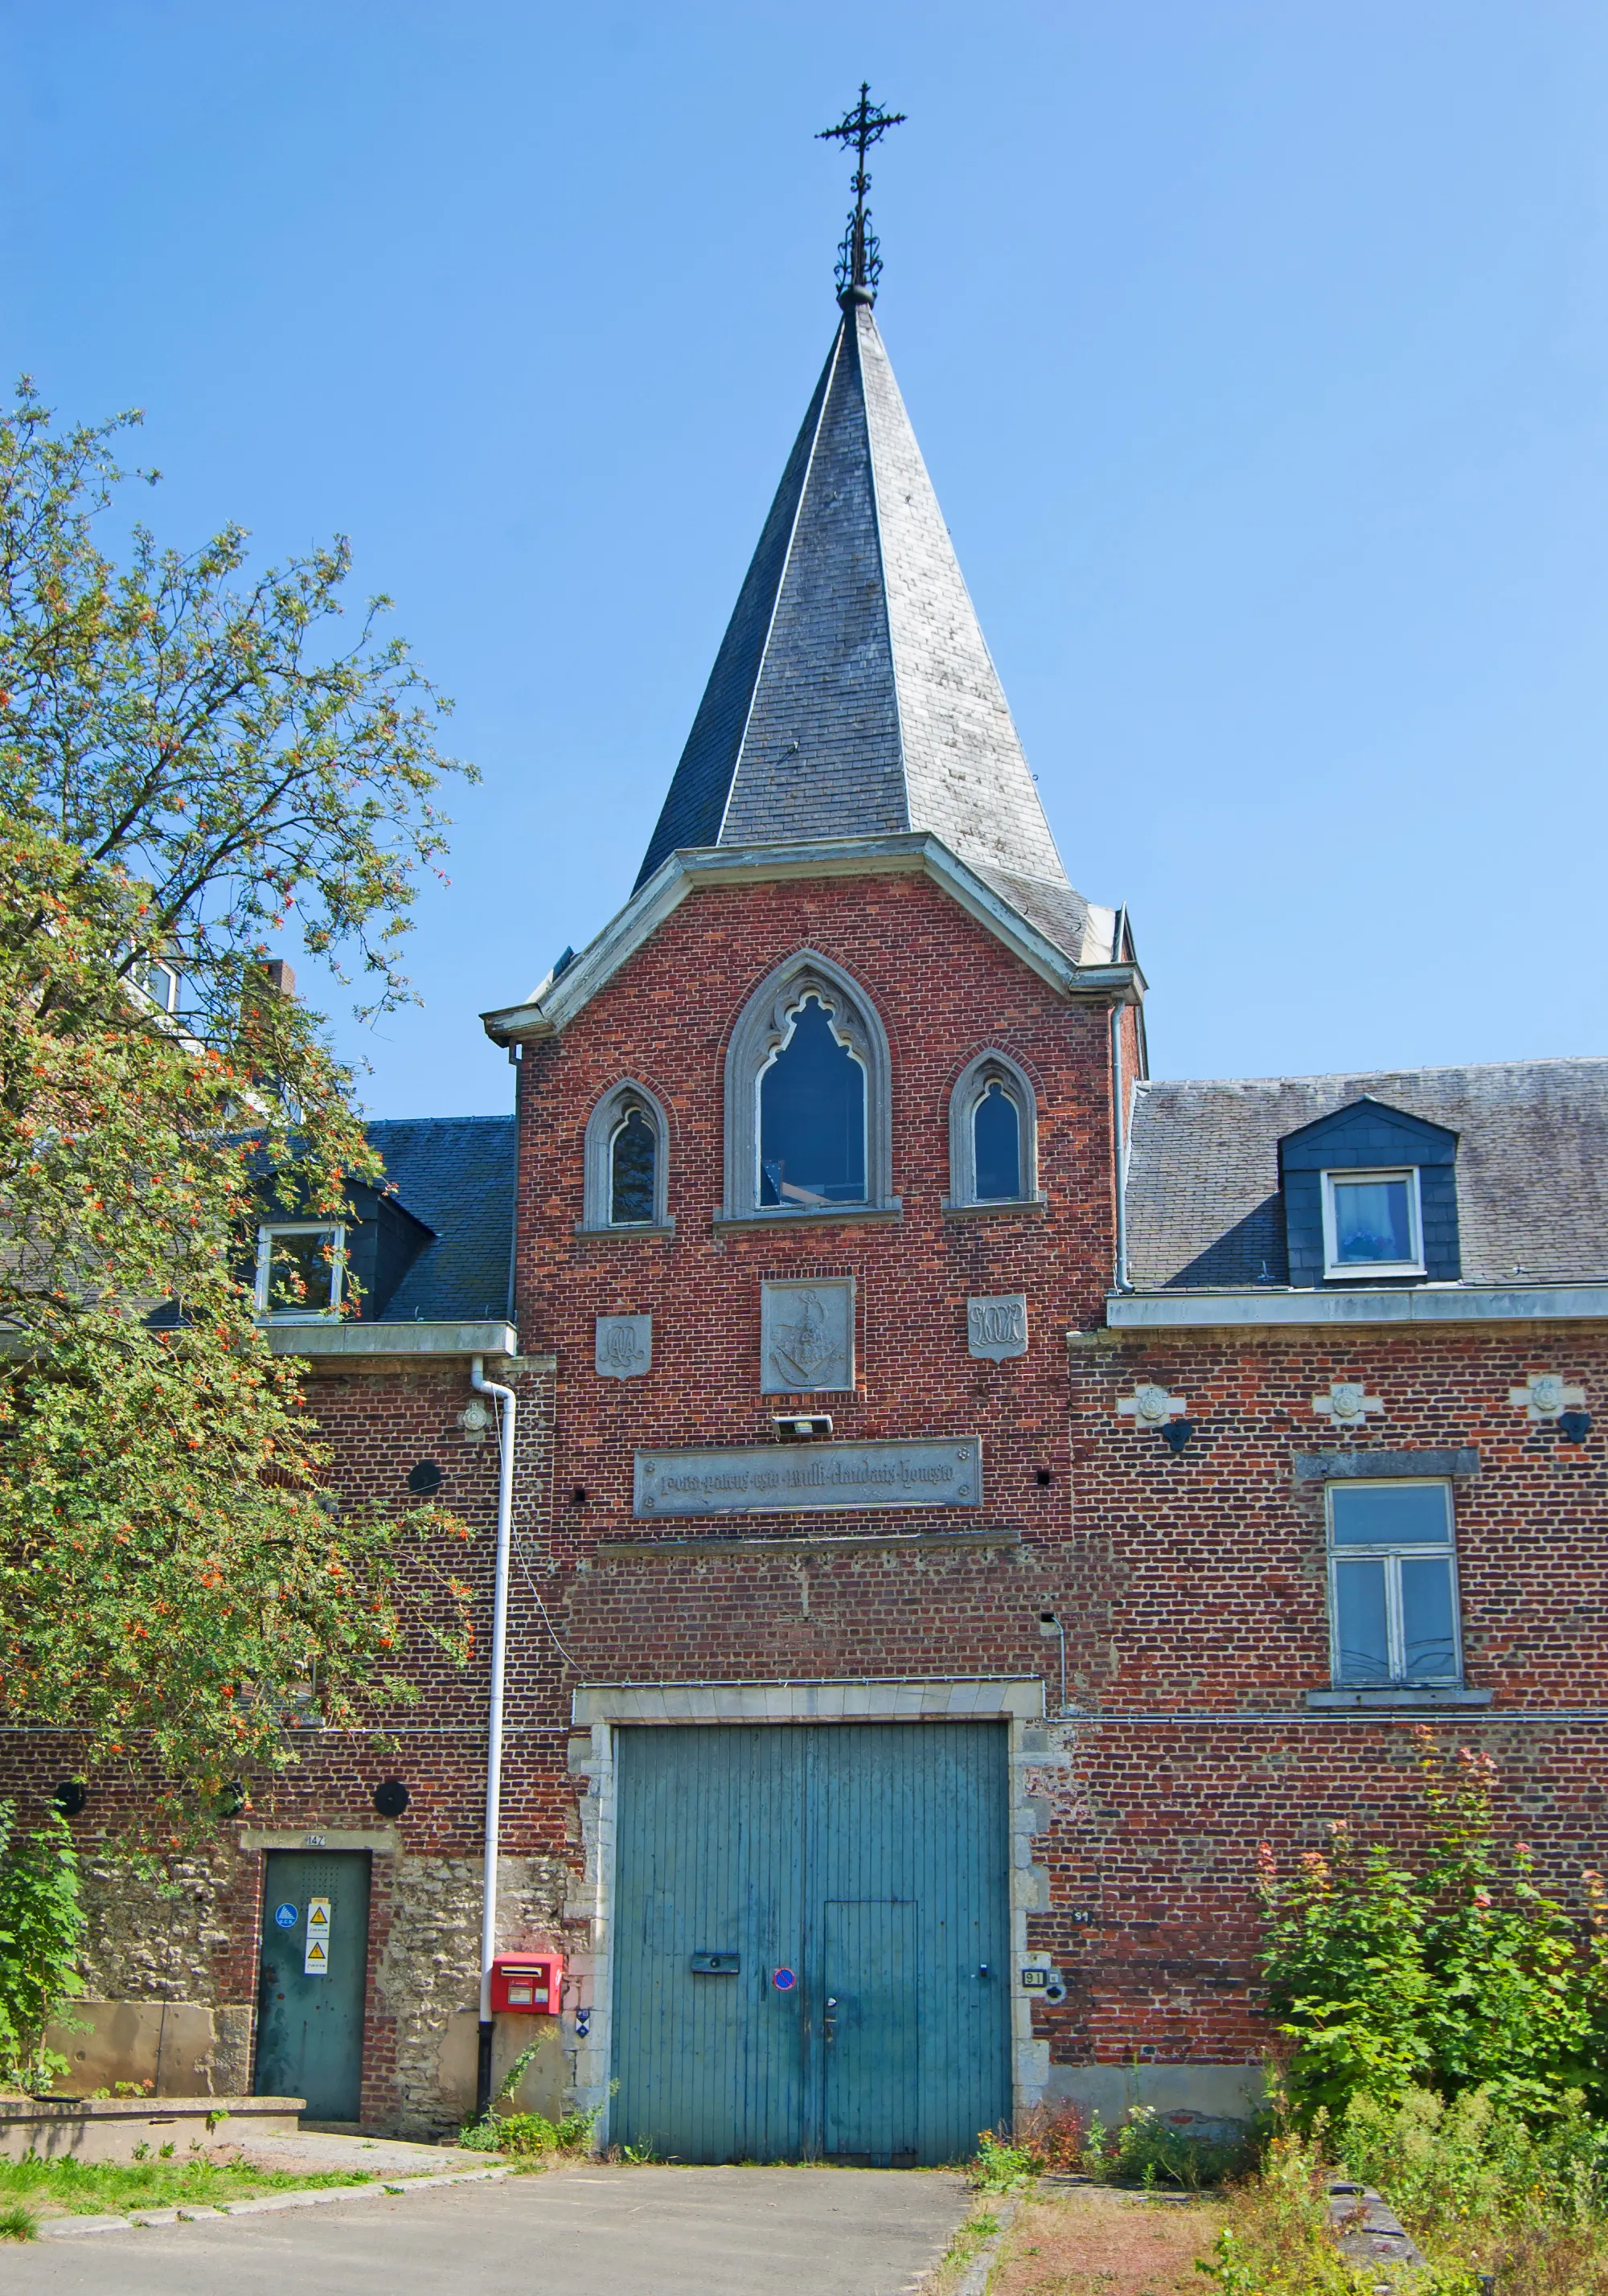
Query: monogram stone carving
(625, 1345)
(806, 1336)
(997, 1328)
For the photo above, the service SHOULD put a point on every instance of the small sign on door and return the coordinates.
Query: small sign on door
(315, 1960)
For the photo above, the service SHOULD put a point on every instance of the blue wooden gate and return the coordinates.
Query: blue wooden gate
(811, 1940)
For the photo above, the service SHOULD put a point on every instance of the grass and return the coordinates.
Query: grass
(978, 2230)
(105, 2187)
(19, 2224)
(1479, 2195)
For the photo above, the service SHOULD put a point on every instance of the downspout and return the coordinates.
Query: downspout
(1118, 1142)
(507, 1421)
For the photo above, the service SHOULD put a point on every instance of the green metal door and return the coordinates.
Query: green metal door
(811, 1940)
(314, 1977)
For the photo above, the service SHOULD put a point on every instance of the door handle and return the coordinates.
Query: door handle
(829, 2022)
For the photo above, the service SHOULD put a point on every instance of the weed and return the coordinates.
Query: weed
(1000, 2165)
(19, 2224)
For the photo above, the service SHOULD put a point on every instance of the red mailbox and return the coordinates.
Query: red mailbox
(527, 1984)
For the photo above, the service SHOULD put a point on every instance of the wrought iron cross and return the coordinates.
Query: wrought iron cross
(859, 259)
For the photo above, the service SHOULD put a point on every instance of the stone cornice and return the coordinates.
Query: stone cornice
(904, 853)
(1429, 1303)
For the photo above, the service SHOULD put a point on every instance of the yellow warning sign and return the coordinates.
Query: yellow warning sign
(315, 1960)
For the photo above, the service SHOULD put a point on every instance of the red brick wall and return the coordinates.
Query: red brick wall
(1192, 1585)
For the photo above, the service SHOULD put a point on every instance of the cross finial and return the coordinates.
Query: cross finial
(860, 260)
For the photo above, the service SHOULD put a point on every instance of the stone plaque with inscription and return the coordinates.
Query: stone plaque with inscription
(625, 1345)
(809, 1477)
(806, 1336)
(997, 1328)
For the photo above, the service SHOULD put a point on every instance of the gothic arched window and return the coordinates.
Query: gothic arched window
(993, 1135)
(624, 1160)
(806, 1098)
(633, 1169)
(812, 1116)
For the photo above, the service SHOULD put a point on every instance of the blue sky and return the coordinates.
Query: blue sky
(1258, 353)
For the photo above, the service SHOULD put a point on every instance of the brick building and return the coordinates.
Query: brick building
(963, 1494)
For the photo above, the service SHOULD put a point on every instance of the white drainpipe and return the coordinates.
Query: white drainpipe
(494, 1714)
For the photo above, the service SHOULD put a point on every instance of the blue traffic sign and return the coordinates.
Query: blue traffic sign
(285, 1917)
(784, 1981)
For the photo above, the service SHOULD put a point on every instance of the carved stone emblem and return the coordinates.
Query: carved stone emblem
(997, 1328)
(806, 1336)
(1546, 1395)
(1152, 1406)
(625, 1345)
(1348, 1403)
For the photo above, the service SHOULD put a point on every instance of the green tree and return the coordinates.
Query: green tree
(186, 758)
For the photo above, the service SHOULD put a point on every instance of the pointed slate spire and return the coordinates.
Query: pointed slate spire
(853, 693)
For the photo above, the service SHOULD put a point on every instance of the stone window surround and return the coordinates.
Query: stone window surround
(760, 1027)
(601, 1709)
(597, 1146)
(989, 1067)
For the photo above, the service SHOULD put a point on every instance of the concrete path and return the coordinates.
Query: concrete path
(586, 2231)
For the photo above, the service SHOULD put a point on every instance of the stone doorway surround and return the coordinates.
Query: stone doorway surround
(602, 1708)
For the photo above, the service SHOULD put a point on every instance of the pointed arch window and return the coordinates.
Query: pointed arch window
(806, 1099)
(993, 1135)
(625, 1159)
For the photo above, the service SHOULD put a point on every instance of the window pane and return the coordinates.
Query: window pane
(631, 1171)
(1371, 1221)
(1390, 1514)
(812, 1120)
(302, 1273)
(1428, 1633)
(1362, 1639)
(997, 1145)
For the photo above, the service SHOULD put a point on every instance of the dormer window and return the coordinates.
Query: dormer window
(1373, 1224)
(1370, 1197)
(300, 1268)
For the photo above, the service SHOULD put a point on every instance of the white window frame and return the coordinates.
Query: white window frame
(1355, 1271)
(267, 1231)
(1393, 1552)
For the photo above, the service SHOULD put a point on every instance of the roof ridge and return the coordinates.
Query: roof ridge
(1355, 1075)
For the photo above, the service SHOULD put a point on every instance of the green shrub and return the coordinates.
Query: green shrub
(999, 2166)
(1148, 2151)
(1456, 1973)
(41, 1929)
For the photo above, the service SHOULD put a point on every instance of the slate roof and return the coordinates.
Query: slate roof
(1203, 1207)
(853, 694)
(455, 1172)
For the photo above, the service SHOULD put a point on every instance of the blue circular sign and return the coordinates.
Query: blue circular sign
(784, 1981)
(285, 1917)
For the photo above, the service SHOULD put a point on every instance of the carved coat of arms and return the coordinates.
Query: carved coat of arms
(808, 1335)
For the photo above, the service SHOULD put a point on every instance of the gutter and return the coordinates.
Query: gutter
(507, 1423)
(1261, 1308)
(340, 1336)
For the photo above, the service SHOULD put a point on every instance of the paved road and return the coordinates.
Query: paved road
(590, 2231)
